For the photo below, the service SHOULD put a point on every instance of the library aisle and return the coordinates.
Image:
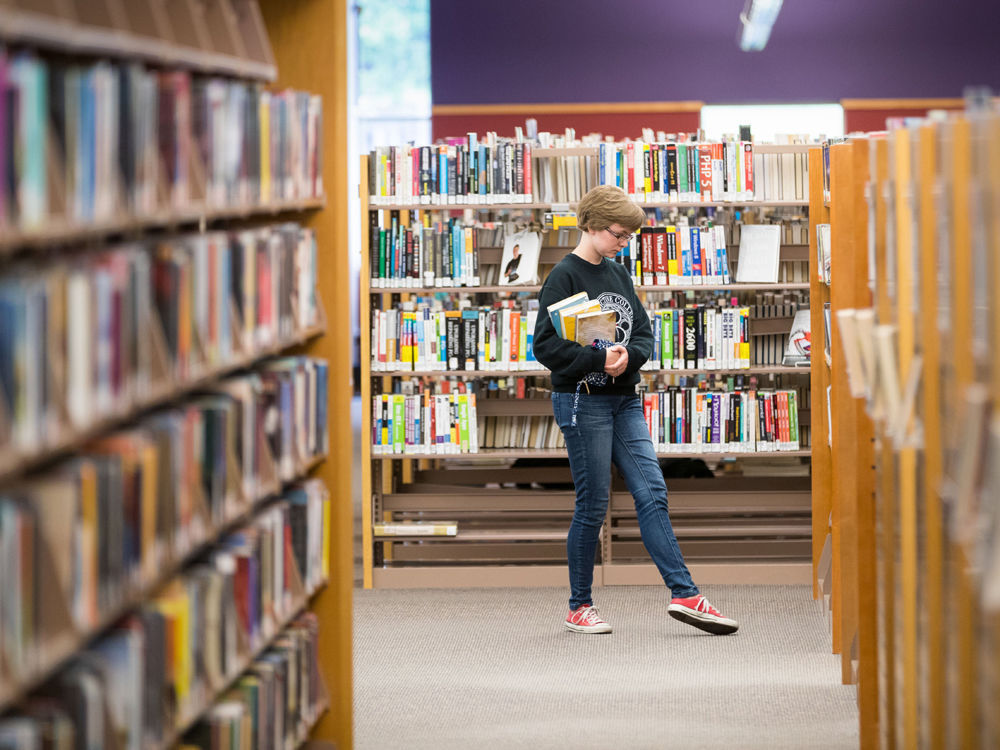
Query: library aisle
(494, 667)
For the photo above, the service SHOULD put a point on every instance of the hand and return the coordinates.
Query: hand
(616, 360)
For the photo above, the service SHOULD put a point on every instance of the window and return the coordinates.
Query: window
(768, 120)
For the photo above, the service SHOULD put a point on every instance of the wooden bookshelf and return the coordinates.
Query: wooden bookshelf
(572, 206)
(487, 453)
(230, 38)
(59, 232)
(927, 648)
(62, 650)
(13, 465)
(535, 288)
(188, 38)
(509, 538)
(309, 42)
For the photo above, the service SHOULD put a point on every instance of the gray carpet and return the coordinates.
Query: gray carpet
(495, 668)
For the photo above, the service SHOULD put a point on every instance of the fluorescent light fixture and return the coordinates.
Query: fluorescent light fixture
(757, 20)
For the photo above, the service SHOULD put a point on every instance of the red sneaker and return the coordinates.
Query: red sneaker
(584, 619)
(697, 611)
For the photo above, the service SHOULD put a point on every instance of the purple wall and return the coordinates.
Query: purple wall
(516, 51)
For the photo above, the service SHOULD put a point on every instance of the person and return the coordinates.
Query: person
(510, 272)
(601, 415)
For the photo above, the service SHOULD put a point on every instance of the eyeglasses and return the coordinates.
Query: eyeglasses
(623, 237)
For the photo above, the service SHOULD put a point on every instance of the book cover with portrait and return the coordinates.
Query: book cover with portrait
(519, 263)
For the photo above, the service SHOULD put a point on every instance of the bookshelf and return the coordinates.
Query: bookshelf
(924, 545)
(513, 504)
(184, 207)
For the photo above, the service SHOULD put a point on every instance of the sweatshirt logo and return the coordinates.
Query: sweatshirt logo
(623, 310)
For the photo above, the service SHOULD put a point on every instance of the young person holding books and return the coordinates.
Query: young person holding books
(601, 416)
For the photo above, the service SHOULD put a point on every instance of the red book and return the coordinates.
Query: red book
(527, 172)
(647, 409)
(646, 253)
(415, 174)
(515, 337)
(659, 240)
(748, 169)
(630, 169)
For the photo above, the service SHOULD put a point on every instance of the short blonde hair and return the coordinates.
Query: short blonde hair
(606, 205)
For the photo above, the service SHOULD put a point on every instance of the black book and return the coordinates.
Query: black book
(453, 338)
(690, 338)
(470, 340)
(699, 319)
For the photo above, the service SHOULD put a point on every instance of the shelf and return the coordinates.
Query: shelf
(772, 370)
(804, 286)
(188, 722)
(70, 38)
(69, 646)
(594, 150)
(572, 206)
(13, 465)
(493, 453)
(58, 232)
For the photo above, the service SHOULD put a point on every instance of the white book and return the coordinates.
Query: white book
(760, 247)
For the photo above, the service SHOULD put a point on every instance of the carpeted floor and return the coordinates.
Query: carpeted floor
(495, 668)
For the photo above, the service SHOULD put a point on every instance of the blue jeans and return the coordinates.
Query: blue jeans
(611, 428)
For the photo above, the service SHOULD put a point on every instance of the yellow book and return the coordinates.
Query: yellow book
(673, 266)
(265, 147)
(88, 539)
(325, 564)
(647, 177)
(409, 329)
(569, 315)
(150, 482)
(744, 337)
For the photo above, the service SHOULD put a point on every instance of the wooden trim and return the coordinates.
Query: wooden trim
(549, 108)
(622, 574)
(931, 103)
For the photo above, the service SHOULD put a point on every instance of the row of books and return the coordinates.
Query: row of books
(713, 334)
(674, 250)
(89, 143)
(440, 253)
(90, 338)
(677, 255)
(693, 172)
(478, 171)
(700, 337)
(685, 420)
(495, 170)
(82, 539)
(155, 671)
(428, 337)
(274, 703)
(680, 419)
(427, 422)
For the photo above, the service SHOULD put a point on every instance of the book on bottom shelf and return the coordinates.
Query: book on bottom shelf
(415, 528)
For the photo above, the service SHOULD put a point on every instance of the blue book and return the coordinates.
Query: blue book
(697, 271)
(601, 158)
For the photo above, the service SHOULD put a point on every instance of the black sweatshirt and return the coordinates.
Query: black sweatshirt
(609, 283)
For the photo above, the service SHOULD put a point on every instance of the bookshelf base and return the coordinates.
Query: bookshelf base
(475, 576)
(739, 573)
(534, 576)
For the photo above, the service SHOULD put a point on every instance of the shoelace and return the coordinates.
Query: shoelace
(590, 616)
(705, 606)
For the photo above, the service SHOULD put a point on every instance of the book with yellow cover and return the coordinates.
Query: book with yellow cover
(556, 308)
(569, 315)
(418, 528)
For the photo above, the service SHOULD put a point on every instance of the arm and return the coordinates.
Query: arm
(640, 345)
(564, 357)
